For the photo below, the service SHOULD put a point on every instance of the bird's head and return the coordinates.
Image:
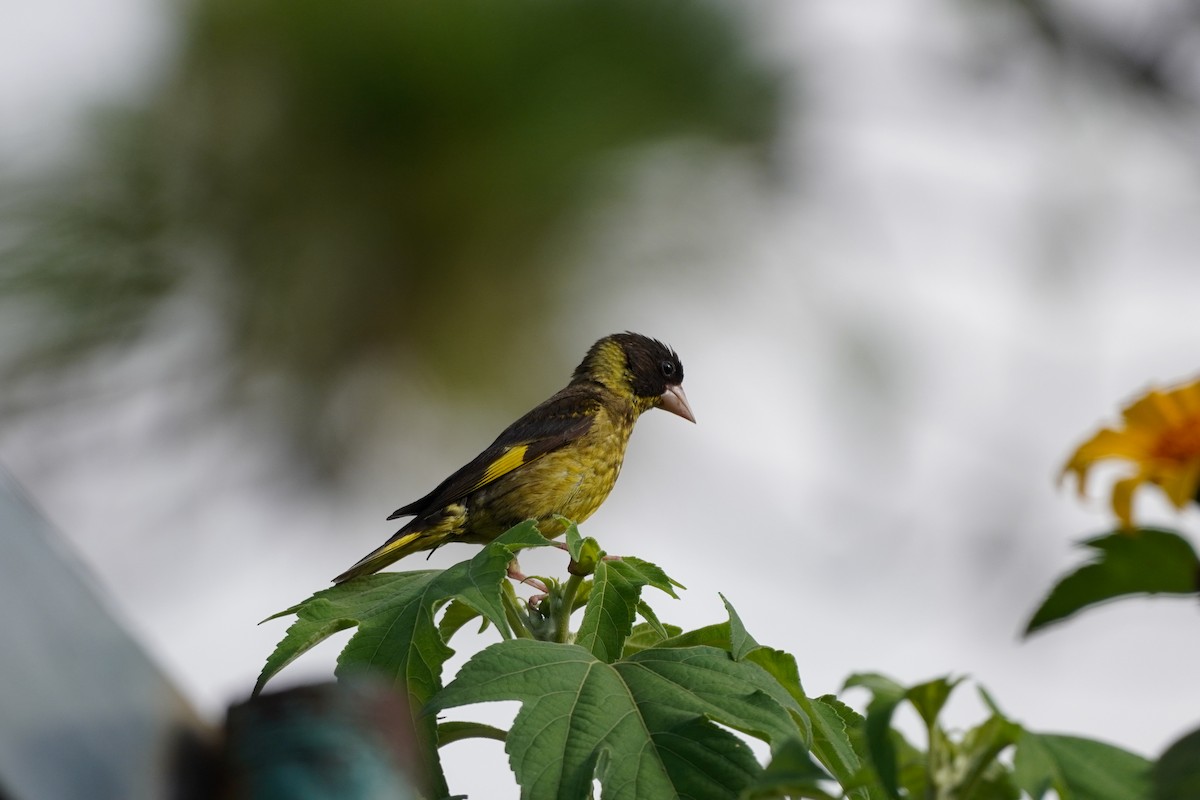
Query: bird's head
(638, 367)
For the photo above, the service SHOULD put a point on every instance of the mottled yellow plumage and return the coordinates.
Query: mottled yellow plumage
(560, 459)
(571, 482)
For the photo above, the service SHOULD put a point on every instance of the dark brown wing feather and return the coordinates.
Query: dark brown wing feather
(555, 423)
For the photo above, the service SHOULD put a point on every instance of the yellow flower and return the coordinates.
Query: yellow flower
(1160, 437)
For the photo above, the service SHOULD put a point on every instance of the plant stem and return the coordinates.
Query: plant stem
(562, 627)
(933, 763)
(513, 615)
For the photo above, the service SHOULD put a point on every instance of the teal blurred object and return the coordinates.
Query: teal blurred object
(84, 713)
(350, 740)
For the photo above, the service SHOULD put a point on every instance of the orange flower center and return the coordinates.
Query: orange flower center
(1180, 443)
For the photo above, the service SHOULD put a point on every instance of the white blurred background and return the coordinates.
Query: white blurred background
(970, 254)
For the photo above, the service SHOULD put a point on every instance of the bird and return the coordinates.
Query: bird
(559, 461)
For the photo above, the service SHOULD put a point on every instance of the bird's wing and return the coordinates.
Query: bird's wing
(555, 423)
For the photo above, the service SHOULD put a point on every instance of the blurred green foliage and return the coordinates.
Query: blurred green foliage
(339, 186)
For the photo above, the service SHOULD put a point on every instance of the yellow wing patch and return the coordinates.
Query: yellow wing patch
(513, 457)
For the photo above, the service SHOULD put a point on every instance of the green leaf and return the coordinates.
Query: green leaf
(609, 615)
(740, 640)
(457, 615)
(614, 602)
(1034, 770)
(653, 574)
(644, 636)
(1078, 769)
(455, 731)
(956, 769)
(824, 728)
(782, 668)
(836, 727)
(611, 609)
(791, 773)
(1144, 561)
(581, 596)
(779, 665)
(977, 773)
(990, 702)
(1176, 776)
(585, 552)
(573, 537)
(318, 618)
(886, 696)
(651, 619)
(396, 633)
(912, 765)
(715, 635)
(995, 785)
(643, 726)
(930, 697)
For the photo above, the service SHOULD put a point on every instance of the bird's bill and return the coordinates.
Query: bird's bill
(675, 401)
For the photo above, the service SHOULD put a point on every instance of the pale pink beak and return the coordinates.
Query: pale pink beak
(675, 401)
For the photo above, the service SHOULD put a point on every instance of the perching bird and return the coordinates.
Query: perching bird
(560, 459)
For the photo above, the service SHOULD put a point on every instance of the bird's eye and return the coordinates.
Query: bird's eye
(668, 369)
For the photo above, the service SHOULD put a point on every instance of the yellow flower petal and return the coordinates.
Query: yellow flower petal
(1159, 437)
(1108, 443)
(1180, 483)
(1154, 410)
(1188, 397)
(1122, 498)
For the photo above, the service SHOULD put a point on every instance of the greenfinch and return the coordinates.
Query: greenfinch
(560, 460)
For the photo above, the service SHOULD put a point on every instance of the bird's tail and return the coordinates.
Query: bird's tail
(402, 544)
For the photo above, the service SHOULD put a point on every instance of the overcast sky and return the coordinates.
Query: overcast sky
(890, 353)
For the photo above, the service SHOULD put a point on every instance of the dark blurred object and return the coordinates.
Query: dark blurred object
(1149, 47)
(84, 713)
(321, 188)
(342, 741)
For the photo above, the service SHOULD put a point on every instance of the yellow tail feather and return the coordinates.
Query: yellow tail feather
(396, 548)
